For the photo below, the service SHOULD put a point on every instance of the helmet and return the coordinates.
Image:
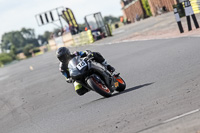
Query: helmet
(63, 54)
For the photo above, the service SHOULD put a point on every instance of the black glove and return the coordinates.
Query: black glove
(69, 80)
(89, 53)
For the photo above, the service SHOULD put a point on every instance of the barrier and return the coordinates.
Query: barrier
(195, 5)
(83, 38)
(189, 12)
(178, 20)
(52, 44)
(110, 29)
(67, 40)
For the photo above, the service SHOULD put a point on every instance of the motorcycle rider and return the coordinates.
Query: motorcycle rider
(64, 56)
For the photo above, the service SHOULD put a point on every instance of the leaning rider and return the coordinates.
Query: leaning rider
(64, 56)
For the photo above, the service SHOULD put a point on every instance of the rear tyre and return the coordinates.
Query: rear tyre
(122, 84)
(100, 88)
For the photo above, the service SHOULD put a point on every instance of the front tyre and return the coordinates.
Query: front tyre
(122, 84)
(96, 83)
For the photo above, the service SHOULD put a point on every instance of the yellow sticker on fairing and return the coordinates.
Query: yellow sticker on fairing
(116, 84)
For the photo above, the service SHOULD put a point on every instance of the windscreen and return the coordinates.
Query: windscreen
(74, 62)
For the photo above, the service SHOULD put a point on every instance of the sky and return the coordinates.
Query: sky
(16, 14)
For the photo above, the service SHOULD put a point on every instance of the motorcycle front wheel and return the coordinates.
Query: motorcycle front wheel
(122, 84)
(96, 83)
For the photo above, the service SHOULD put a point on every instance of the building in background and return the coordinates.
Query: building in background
(161, 5)
(132, 9)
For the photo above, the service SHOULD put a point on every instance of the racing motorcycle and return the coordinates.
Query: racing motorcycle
(94, 76)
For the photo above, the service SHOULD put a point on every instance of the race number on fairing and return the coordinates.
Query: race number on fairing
(81, 65)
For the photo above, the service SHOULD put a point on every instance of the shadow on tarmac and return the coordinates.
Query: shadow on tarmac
(132, 89)
(126, 91)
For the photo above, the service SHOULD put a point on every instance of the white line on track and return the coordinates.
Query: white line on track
(138, 40)
(4, 77)
(181, 116)
(118, 32)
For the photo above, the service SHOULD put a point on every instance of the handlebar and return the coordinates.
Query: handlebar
(88, 58)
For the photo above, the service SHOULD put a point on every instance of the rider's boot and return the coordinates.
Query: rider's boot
(108, 67)
(80, 90)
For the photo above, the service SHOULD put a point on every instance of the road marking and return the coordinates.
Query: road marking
(31, 68)
(180, 116)
(140, 40)
(118, 32)
(136, 40)
(4, 77)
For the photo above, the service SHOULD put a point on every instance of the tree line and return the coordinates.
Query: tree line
(15, 42)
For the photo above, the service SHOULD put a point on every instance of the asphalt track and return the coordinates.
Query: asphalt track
(162, 95)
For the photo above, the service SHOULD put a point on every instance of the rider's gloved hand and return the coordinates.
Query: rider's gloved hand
(89, 53)
(69, 80)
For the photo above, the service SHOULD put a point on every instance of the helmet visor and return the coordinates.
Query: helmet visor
(64, 58)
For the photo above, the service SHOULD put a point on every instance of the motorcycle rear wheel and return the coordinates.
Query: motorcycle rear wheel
(100, 88)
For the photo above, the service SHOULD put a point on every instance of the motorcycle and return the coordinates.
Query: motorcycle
(94, 76)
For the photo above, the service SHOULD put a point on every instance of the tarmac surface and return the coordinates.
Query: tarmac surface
(162, 95)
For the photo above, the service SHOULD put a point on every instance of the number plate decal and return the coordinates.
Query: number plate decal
(116, 84)
(81, 65)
